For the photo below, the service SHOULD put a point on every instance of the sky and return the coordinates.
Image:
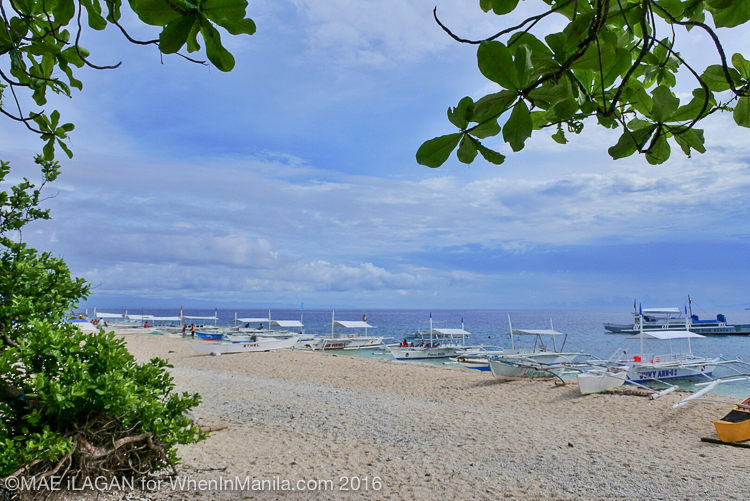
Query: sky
(293, 179)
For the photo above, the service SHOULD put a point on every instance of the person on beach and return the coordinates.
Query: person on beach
(184, 329)
(192, 331)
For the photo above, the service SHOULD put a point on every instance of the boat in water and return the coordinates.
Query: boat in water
(434, 343)
(538, 361)
(675, 319)
(354, 337)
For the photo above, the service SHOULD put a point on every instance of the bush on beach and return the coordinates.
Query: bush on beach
(88, 408)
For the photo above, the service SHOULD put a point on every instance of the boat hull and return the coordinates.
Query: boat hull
(511, 367)
(649, 373)
(422, 353)
(343, 343)
(735, 426)
(599, 381)
(261, 344)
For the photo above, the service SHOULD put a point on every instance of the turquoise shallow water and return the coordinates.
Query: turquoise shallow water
(490, 327)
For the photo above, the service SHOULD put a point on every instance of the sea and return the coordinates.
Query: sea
(585, 330)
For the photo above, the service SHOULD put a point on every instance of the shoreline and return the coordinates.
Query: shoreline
(426, 429)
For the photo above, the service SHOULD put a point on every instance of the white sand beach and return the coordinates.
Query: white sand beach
(391, 430)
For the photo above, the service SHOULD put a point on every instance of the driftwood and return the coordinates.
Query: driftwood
(216, 427)
(733, 444)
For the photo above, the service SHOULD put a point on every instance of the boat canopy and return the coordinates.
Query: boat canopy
(662, 311)
(140, 317)
(666, 335)
(452, 332)
(287, 324)
(254, 320)
(196, 318)
(165, 319)
(108, 315)
(352, 324)
(537, 332)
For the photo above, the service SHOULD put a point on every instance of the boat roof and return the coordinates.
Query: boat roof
(196, 318)
(107, 315)
(288, 323)
(662, 311)
(452, 332)
(253, 320)
(142, 317)
(666, 335)
(352, 324)
(537, 332)
(165, 319)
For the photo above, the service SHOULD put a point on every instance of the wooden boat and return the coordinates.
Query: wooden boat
(735, 426)
(258, 344)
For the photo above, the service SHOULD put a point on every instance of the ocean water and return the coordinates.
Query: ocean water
(490, 327)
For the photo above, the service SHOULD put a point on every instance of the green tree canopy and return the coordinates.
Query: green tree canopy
(616, 62)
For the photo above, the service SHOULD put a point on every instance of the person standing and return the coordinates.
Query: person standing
(192, 330)
(184, 329)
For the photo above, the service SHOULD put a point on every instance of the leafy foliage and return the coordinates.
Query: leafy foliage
(41, 42)
(82, 394)
(611, 62)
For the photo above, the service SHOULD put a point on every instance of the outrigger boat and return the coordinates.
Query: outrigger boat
(251, 345)
(435, 343)
(535, 362)
(341, 340)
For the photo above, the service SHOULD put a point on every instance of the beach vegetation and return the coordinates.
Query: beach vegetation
(73, 403)
(615, 64)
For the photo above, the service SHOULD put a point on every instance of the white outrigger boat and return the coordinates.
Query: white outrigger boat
(645, 367)
(538, 361)
(435, 343)
(251, 345)
(287, 328)
(342, 340)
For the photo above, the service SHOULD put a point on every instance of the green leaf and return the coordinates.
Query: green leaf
(716, 80)
(175, 33)
(524, 67)
(501, 7)
(519, 126)
(735, 13)
(217, 54)
(435, 152)
(742, 112)
(495, 63)
(664, 104)
(461, 114)
(692, 110)
(630, 141)
(742, 65)
(659, 152)
(690, 138)
(229, 14)
(559, 136)
(487, 129)
(467, 150)
(491, 156)
(493, 105)
(154, 12)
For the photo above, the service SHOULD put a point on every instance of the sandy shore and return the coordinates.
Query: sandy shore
(390, 430)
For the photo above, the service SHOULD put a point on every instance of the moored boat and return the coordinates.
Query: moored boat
(356, 337)
(252, 345)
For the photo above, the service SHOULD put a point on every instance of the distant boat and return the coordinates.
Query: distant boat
(675, 319)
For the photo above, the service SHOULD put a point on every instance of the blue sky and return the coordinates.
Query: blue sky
(293, 179)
